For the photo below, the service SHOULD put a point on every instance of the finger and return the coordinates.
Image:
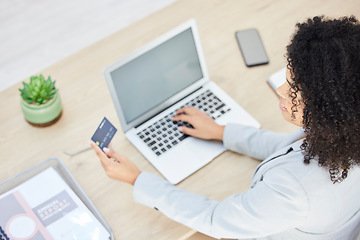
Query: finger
(180, 111)
(185, 110)
(187, 131)
(95, 147)
(182, 117)
(112, 154)
(103, 158)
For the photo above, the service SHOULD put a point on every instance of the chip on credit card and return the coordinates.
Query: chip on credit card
(104, 134)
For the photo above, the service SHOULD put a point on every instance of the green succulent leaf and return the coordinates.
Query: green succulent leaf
(39, 90)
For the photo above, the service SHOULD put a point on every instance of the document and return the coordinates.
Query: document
(45, 207)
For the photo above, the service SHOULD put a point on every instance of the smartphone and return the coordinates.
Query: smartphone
(251, 47)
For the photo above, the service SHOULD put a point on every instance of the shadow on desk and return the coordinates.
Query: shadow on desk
(200, 236)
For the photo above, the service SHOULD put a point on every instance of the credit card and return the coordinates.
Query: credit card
(104, 133)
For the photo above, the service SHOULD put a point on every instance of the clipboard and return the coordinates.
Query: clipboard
(69, 198)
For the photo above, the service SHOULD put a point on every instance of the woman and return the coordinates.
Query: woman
(307, 187)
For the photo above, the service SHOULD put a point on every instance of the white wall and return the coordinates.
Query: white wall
(37, 33)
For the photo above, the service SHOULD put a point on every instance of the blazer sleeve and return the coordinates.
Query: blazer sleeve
(257, 143)
(272, 206)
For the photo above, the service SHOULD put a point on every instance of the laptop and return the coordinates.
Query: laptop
(150, 84)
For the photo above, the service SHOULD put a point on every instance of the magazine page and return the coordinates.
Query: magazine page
(45, 207)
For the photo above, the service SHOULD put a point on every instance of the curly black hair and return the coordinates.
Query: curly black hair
(324, 59)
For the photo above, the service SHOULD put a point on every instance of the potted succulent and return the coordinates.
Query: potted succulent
(40, 101)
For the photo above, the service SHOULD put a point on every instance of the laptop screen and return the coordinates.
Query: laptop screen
(156, 75)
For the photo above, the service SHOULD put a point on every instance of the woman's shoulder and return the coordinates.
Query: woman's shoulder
(310, 176)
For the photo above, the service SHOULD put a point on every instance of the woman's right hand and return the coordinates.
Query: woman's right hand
(204, 126)
(116, 166)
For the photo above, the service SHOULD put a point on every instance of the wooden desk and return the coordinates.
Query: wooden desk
(86, 101)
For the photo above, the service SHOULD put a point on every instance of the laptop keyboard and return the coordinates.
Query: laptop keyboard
(162, 135)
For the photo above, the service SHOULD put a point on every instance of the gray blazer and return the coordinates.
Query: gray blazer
(287, 199)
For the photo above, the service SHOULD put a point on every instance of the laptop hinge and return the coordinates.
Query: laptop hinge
(167, 107)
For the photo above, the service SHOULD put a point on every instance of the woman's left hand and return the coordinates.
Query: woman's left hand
(204, 126)
(116, 166)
